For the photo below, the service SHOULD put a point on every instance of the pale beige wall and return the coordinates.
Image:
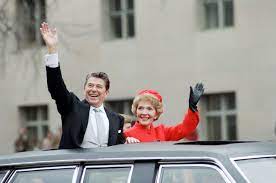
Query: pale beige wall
(242, 59)
(169, 53)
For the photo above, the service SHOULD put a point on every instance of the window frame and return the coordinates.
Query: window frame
(39, 123)
(74, 176)
(124, 103)
(221, 14)
(131, 166)
(234, 162)
(200, 164)
(5, 176)
(123, 14)
(39, 15)
(223, 113)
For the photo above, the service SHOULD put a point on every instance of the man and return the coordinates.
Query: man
(85, 123)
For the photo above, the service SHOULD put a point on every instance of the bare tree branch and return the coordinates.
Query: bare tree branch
(21, 31)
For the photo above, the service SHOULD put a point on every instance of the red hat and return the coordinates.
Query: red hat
(154, 93)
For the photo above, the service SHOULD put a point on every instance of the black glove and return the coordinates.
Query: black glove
(195, 94)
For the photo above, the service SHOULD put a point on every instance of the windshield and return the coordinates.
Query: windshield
(258, 170)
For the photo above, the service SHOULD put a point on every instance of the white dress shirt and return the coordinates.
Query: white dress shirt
(91, 134)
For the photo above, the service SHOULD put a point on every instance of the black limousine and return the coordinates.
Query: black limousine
(160, 162)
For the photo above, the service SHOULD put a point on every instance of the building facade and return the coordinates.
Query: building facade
(165, 45)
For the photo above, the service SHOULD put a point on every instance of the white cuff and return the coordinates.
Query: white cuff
(51, 60)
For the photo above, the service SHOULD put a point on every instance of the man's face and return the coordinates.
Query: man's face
(95, 91)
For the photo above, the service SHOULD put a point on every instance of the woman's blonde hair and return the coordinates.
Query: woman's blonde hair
(147, 97)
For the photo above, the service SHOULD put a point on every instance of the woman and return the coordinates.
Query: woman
(147, 106)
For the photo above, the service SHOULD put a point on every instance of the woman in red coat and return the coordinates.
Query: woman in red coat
(147, 106)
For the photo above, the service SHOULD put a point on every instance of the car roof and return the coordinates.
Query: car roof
(145, 151)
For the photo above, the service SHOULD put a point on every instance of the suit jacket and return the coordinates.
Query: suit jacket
(75, 113)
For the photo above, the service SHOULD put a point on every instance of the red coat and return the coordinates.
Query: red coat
(165, 133)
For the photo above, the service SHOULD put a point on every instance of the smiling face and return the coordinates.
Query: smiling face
(95, 91)
(145, 113)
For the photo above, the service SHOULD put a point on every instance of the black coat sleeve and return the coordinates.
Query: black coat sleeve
(58, 90)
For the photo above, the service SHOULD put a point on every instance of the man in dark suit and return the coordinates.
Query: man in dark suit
(85, 123)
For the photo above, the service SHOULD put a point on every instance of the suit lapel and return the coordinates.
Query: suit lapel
(111, 126)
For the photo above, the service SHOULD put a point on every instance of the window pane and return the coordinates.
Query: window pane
(33, 136)
(231, 127)
(128, 105)
(214, 128)
(213, 102)
(252, 168)
(31, 113)
(115, 5)
(211, 14)
(42, 176)
(131, 29)
(190, 174)
(107, 175)
(130, 4)
(44, 113)
(2, 175)
(228, 13)
(116, 106)
(230, 101)
(120, 106)
(45, 129)
(116, 25)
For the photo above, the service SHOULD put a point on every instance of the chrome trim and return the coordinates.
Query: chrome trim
(109, 166)
(254, 157)
(75, 175)
(105, 160)
(239, 170)
(234, 162)
(6, 174)
(220, 171)
(38, 169)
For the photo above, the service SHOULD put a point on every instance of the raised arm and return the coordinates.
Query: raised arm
(190, 120)
(56, 85)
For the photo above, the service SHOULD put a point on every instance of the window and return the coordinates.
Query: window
(3, 175)
(120, 106)
(220, 116)
(35, 119)
(217, 13)
(30, 14)
(251, 168)
(103, 174)
(197, 173)
(119, 18)
(43, 175)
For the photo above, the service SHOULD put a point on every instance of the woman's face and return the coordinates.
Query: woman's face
(145, 113)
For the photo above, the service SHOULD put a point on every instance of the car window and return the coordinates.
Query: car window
(256, 170)
(2, 175)
(191, 174)
(107, 174)
(43, 175)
